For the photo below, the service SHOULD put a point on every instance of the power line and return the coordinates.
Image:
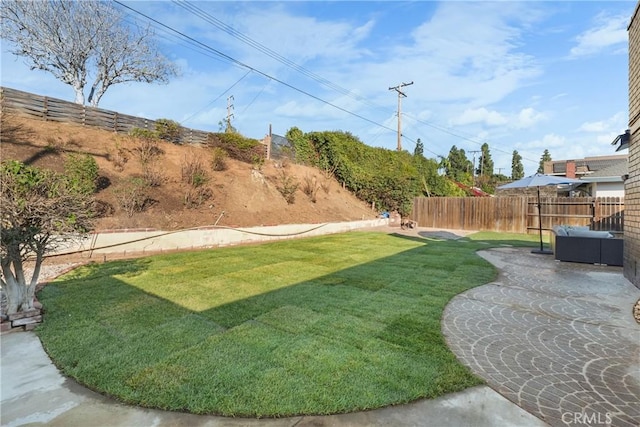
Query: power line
(218, 97)
(189, 6)
(255, 97)
(424, 148)
(458, 135)
(208, 51)
(242, 64)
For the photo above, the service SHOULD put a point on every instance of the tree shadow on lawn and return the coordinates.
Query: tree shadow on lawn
(339, 340)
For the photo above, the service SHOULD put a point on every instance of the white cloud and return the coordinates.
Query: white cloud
(425, 114)
(479, 64)
(315, 109)
(465, 58)
(480, 115)
(548, 141)
(298, 38)
(608, 33)
(607, 138)
(528, 117)
(593, 127)
(615, 123)
(559, 96)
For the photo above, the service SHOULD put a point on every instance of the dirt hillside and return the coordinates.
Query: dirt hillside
(242, 195)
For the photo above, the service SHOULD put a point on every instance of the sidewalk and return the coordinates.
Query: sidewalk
(35, 393)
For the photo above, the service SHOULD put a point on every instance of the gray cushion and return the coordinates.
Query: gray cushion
(577, 227)
(589, 233)
(560, 230)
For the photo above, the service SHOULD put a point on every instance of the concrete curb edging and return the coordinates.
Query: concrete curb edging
(207, 237)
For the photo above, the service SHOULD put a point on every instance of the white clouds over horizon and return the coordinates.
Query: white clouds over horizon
(526, 118)
(494, 72)
(612, 123)
(609, 35)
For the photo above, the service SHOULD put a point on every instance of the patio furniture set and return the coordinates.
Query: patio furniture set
(580, 244)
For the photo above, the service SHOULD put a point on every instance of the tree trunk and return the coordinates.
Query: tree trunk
(12, 289)
(98, 95)
(79, 89)
(20, 296)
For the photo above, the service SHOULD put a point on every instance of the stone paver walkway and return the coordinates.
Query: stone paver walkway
(558, 339)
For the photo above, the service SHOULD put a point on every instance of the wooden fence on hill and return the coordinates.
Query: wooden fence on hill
(518, 214)
(53, 109)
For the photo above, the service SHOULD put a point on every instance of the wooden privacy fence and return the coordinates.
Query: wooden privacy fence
(518, 214)
(53, 109)
(602, 213)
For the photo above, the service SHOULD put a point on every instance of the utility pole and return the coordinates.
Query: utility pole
(229, 113)
(400, 96)
(500, 171)
(473, 172)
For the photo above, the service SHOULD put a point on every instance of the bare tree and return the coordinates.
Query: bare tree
(39, 213)
(80, 40)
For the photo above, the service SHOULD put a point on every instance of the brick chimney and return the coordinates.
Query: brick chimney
(571, 169)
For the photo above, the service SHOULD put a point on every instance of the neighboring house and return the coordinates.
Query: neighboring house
(607, 182)
(632, 184)
(579, 168)
(605, 175)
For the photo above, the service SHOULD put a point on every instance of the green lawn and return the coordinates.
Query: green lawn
(313, 326)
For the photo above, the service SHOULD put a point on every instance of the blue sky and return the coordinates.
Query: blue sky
(527, 76)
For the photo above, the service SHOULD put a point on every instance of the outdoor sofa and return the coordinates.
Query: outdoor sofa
(579, 244)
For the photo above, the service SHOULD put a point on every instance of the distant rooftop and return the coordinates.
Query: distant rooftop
(586, 166)
(614, 172)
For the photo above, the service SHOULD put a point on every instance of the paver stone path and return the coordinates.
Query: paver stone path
(558, 339)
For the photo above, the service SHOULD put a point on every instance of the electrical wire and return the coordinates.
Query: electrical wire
(218, 97)
(458, 135)
(165, 35)
(192, 8)
(208, 50)
(255, 97)
(240, 63)
(274, 55)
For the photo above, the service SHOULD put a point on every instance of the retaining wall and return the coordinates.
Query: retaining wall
(137, 241)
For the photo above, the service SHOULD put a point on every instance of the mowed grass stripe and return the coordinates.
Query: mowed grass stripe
(313, 326)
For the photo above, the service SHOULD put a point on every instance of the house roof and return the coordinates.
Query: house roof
(589, 165)
(612, 173)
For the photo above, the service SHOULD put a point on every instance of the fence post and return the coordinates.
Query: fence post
(45, 105)
(524, 208)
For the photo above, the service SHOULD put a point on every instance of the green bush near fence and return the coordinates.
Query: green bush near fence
(238, 147)
(168, 130)
(81, 173)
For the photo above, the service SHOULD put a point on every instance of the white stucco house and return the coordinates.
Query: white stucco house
(604, 175)
(607, 182)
